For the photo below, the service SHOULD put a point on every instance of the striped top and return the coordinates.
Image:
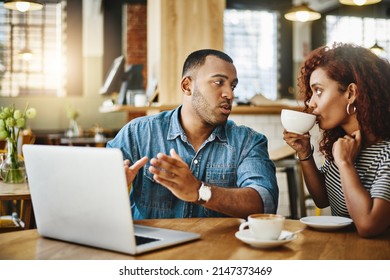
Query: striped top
(373, 167)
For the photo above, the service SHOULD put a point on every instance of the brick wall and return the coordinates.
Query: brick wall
(136, 44)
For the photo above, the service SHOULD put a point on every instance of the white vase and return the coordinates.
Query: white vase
(73, 130)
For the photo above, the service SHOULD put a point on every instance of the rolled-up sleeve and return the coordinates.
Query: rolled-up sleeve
(257, 171)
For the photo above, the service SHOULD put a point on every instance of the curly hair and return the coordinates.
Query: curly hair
(346, 64)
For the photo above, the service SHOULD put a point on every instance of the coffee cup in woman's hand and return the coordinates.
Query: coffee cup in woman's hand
(297, 122)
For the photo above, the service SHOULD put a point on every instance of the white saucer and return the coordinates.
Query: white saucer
(246, 237)
(326, 222)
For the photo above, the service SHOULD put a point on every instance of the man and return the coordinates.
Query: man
(202, 164)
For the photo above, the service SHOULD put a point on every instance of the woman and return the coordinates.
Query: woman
(348, 88)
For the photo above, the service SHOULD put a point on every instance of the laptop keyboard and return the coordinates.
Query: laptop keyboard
(139, 240)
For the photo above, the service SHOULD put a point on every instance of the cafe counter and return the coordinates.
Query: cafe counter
(272, 109)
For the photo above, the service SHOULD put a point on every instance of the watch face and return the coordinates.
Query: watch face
(205, 193)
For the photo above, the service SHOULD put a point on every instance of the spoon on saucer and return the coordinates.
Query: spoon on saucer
(291, 234)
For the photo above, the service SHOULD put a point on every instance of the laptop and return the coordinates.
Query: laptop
(79, 195)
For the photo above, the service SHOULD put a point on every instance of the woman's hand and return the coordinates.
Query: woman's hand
(300, 143)
(346, 149)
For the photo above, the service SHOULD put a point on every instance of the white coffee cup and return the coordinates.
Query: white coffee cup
(296, 121)
(140, 100)
(264, 226)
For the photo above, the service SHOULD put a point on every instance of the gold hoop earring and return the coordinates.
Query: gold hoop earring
(353, 109)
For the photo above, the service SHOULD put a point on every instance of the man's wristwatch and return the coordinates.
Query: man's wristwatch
(204, 193)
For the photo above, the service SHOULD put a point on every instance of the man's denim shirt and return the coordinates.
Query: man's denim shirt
(232, 156)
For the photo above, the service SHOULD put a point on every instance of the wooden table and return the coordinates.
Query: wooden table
(217, 243)
(18, 192)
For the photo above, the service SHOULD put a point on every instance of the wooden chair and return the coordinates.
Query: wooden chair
(285, 161)
(3, 143)
(9, 223)
(27, 137)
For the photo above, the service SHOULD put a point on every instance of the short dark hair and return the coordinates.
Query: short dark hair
(197, 58)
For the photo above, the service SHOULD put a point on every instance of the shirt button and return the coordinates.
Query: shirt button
(196, 161)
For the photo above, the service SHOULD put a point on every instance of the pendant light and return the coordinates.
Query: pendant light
(378, 50)
(359, 2)
(23, 6)
(25, 53)
(302, 13)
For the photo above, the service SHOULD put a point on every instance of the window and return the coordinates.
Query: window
(365, 32)
(41, 33)
(251, 39)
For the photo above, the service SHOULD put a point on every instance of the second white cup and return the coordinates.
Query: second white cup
(140, 100)
(264, 226)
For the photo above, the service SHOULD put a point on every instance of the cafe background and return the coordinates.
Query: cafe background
(74, 43)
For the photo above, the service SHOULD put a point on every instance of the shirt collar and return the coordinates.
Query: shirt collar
(175, 129)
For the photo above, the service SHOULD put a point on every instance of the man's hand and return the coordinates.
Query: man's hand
(132, 170)
(174, 174)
